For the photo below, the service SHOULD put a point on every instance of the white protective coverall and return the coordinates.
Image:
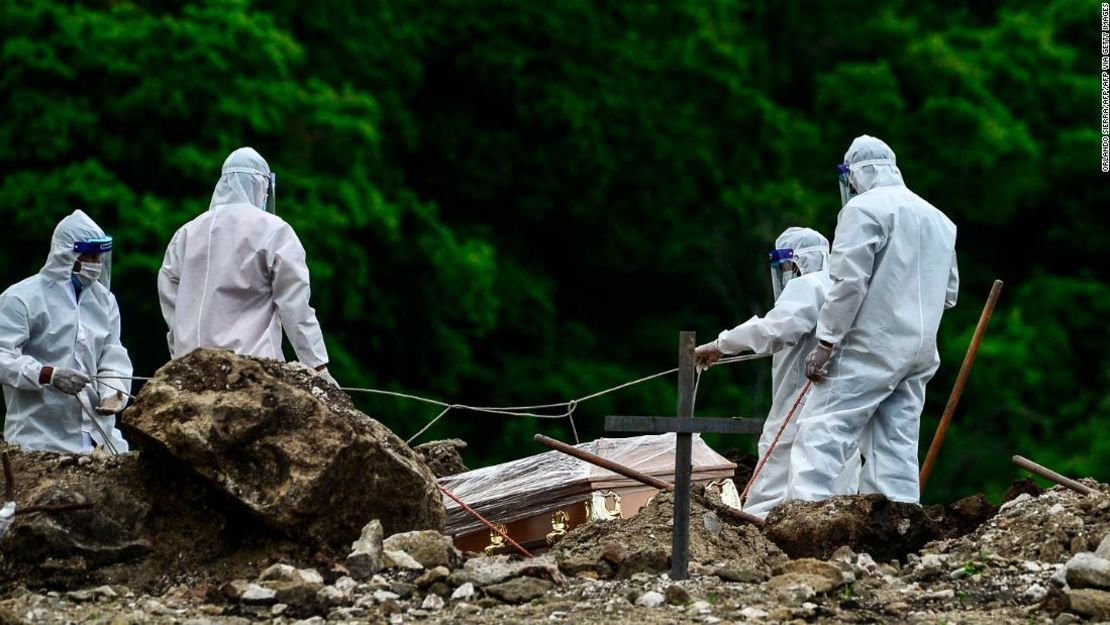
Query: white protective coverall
(43, 323)
(235, 276)
(787, 330)
(893, 266)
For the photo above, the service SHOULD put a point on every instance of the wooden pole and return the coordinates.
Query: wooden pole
(604, 463)
(961, 381)
(1051, 475)
(683, 465)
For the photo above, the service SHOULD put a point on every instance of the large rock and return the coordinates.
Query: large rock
(428, 547)
(866, 523)
(148, 523)
(1087, 570)
(1090, 602)
(285, 445)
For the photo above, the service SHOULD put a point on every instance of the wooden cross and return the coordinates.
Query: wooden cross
(684, 426)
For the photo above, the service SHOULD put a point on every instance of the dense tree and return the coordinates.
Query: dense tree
(515, 202)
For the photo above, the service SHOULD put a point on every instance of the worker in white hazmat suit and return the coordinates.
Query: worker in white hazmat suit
(236, 276)
(800, 280)
(61, 361)
(893, 267)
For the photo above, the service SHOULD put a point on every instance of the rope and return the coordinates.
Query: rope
(511, 411)
(771, 448)
(92, 417)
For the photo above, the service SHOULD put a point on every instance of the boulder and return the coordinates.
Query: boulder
(428, 547)
(866, 523)
(284, 444)
(148, 521)
(1090, 602)
(1087, 570)
(443, 457)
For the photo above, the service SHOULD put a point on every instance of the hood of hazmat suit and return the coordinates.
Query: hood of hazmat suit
(787, 331)
(893, 270)
(236, 276)
(245, 179)
(43, 322)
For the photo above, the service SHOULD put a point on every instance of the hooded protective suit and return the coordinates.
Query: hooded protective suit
(42, 322)
(235, 276)
(787, 330)
(893, 266)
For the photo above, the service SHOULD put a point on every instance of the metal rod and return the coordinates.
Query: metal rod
(604, 463)
(680, 534)
(9, 477)
(744, 516)
(1051, 475)
(481, 518)
(774, 443)
(961, 381)
(57, 507)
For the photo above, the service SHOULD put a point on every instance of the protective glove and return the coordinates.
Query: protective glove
(706, 355)
(817, 362)
(327, 377)
(68, 380)
(112, 405)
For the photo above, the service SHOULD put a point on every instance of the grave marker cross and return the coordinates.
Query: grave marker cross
(684, 425)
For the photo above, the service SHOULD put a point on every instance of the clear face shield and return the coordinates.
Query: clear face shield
(271, 193)
(783, 270)
(846, 190)
(97, 263)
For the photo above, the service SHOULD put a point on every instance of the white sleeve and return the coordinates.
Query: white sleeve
(793, 318)
(169, 276)
(953, 284)
(113, 359)
(290, 282)
(859, 237)
(16, 369)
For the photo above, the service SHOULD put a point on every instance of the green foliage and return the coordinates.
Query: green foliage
(520, 203)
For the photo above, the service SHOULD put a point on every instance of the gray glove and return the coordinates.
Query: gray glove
(817, 362)
(112, 405)
(68, 380)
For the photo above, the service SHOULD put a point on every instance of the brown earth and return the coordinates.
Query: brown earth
(642, 544)
(283, 445)
(150, 528)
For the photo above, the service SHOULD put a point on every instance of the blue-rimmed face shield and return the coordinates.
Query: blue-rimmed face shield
(783, 270)
(843, 175)
(100, 249)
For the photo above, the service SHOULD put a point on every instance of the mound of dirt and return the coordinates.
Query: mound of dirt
(866, 523)
(283, 445)
(444, 457)
(149, 527)
(624, 547)
(1047, 528)
(960, 518)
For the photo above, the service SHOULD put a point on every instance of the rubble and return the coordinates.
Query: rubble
(625, 547)
(205, 555)
(444, 457)
(285, 445)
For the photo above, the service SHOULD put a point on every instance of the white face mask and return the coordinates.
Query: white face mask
(89, 272)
